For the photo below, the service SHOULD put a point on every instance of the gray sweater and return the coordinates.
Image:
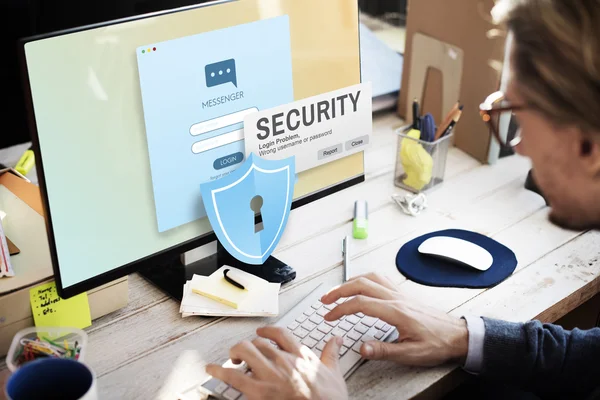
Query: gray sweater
(544, 359)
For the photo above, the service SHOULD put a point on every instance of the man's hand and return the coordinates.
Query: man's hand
(427, 337)
(291, 371)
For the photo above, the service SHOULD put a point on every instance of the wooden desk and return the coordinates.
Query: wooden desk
(148, 351)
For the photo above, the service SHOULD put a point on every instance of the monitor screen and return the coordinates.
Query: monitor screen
(118, 110)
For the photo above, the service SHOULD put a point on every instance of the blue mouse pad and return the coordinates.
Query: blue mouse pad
(431, 271)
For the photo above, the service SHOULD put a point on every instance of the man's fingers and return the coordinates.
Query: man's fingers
(372, 307)
(282, 337)
(256, 361)
(330, 356)
(378, 278)
(235, 378)
(359, 286)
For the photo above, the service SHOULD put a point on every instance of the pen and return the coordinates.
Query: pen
(346, 259)
(416, 114)
(234, 283)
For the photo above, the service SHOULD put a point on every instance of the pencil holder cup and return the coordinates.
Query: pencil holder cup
(33, 343)
(420, 165)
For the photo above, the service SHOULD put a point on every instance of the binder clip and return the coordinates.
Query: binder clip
(411, 204)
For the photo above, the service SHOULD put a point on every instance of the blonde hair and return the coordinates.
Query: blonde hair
(556, 57)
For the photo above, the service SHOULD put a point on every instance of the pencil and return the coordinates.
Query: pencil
(452, 123)
(447, 120)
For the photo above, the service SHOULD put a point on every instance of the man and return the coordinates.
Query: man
(554, 93)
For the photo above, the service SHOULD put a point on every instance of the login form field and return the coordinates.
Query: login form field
(196, 92)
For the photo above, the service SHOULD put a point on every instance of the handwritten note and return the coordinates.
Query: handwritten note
(50, 310)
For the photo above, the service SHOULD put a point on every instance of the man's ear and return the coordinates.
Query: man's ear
(590, 155)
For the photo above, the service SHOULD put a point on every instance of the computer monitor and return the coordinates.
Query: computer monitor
(119, 200)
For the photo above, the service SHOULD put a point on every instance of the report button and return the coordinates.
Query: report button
(330, 151)
(228, 161)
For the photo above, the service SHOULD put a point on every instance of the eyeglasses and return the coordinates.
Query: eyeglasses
(497, 113)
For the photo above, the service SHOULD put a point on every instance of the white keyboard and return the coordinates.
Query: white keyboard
(306, 323)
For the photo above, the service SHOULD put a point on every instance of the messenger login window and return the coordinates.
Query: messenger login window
(196, 91)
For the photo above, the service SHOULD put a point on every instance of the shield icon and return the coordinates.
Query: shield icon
(227, 202)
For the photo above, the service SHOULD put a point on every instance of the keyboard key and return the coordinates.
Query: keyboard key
(309, 342)
(231, 394)
(367, 338)
(368, 321)
(386, 327)
(323, 327)
(317, 305)
(348, 342)
(309, 312)
(359, 315)
(318, 335)
(379, 335)
(327, 337)
(330, 306)
(353, 319)
(317, 352)
(354, 335)
(315, 319)
(357, 347)
(293, 326)
(321, 345)
(345, 326)
(372, 332)
(349, 360)
(338, 332)
(361, 328)
(340, 301)
(322, 311)
(333, 323)
(379, 324)
(221, 387)
(309, 326)
(301, 318)
(343, 350)
(301, 332)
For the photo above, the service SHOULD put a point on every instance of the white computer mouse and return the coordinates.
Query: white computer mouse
(457, 250)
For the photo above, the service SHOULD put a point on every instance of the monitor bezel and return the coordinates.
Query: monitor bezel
(160, 256)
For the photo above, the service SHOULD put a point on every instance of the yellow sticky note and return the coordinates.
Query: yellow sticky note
(50, 310)
(218, 289)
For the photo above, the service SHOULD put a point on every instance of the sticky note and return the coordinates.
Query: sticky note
(50, 310)
(217, 288)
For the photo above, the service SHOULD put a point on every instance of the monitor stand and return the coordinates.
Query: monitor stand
(170, 276)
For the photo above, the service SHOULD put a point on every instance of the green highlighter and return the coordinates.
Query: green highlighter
(360, 226)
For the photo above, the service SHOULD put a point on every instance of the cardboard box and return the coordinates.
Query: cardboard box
(463, 25)
(25, 226)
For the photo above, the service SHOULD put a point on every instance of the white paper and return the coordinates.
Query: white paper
(263, 299)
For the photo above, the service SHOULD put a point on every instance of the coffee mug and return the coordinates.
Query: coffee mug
(52, 378)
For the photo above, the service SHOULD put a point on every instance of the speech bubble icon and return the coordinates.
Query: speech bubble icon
(220, 73)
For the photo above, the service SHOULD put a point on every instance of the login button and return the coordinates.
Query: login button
(228, 161)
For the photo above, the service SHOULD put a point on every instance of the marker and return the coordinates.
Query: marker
(234, 283)
(361, 222)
